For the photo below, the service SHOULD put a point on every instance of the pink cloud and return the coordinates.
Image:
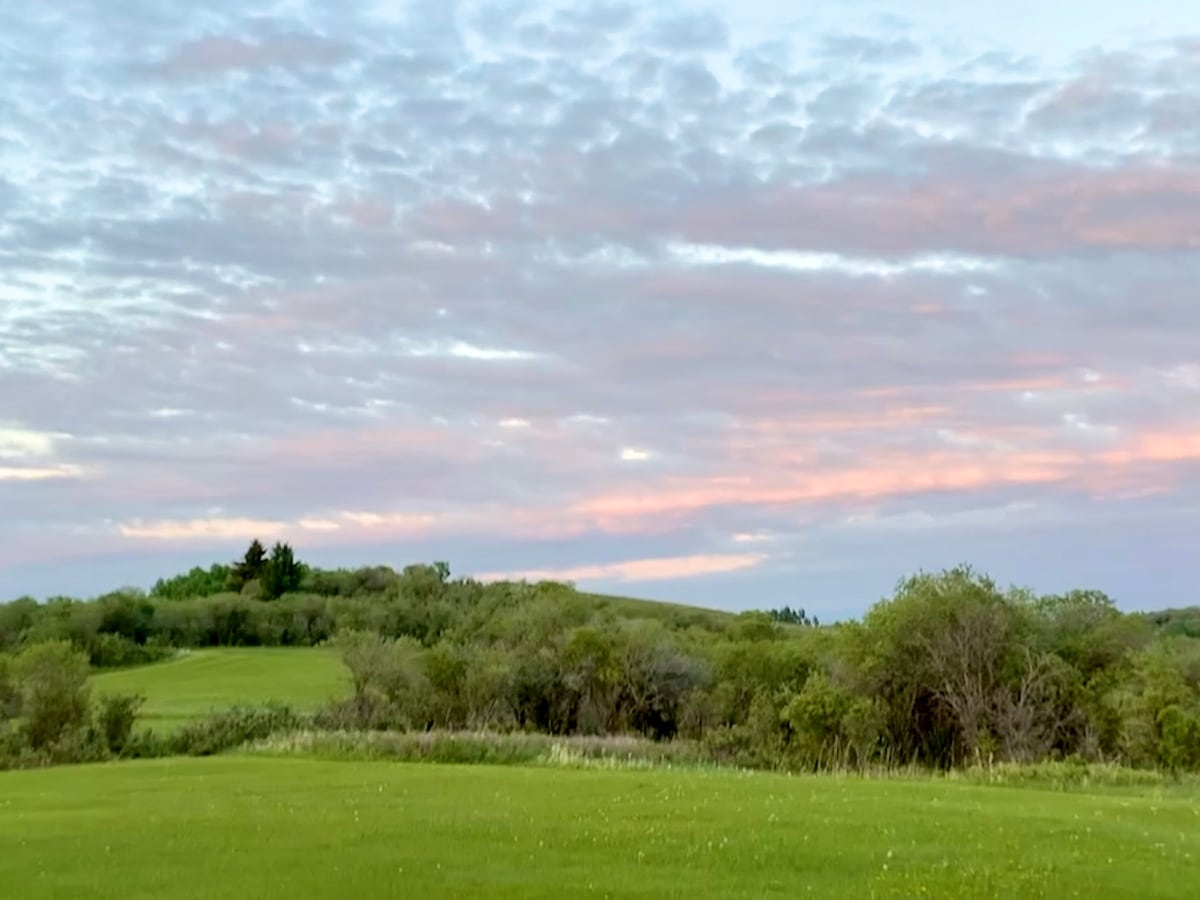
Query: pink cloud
(788, 478)
(658, 569)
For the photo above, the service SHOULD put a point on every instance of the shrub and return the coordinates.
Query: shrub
(108, 651)
(145, 745)
(390, 686)
(232, 728)
(53, 679)
(115, 718)
(733, 745)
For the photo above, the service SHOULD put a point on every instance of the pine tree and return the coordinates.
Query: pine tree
(282, 573)
(251, 566)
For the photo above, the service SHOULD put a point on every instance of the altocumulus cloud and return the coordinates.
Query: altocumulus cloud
(596, 291)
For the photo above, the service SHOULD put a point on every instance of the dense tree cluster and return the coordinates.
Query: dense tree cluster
(950, 670)
(257, 574)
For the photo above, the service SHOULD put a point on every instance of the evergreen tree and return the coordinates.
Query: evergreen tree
(281, 573)
(251, 566)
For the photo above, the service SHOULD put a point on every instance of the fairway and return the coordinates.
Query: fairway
(282, 828)
(204, 681)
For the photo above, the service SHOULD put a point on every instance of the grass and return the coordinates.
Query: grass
(203, 681)
(265, 828)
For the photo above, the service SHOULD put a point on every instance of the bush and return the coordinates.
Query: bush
(390, 686)
(733, 745)
(116, 715)
(232, 728)
(146, 745)
(110, 651)
(53, 679)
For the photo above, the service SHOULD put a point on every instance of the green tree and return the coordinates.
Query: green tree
(10, 697)
(489, 688)
(197, 582)
(1159, 705)
(446, 669)
(127, 613)
(657, 678)
(946, 656)
(388, 675)
(55, 696)
(250, 567)
(592, 673)
(789, 616)
(281, 574)
(16, 619)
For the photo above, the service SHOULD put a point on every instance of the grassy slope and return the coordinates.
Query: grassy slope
(202, 681)
(247, 827)
(637, 607)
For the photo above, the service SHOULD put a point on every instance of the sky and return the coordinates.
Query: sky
(737, 304)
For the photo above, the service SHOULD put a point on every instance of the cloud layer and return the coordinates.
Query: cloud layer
(622, 294)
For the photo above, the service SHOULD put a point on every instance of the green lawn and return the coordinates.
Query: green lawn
(202, 681)
(259, 828)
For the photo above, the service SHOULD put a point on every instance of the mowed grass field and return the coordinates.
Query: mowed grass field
(204, 681)
(252, 827)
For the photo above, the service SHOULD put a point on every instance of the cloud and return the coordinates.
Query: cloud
(690, 32)
(37, 473)
(244, 529)
(637, 570)
(585, 282)
(218, 55)
(868, 50)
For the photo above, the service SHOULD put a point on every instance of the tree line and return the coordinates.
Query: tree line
(950, 670)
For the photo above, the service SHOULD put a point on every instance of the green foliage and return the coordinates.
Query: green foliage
(1175, 622)
(16, 620)
(391, 688)
(952, 670)
(1158, 706)
(232, 728)
(47, 716)
(197, 582)
(10, 692)
(116, 715)
(107, 651)
(950, 660)
(281, 574)
(789, 616)
(53, 679)
(249, 568)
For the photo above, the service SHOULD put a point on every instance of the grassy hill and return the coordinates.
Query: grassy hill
(198, 682)
(266, 828)
(641, 608)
